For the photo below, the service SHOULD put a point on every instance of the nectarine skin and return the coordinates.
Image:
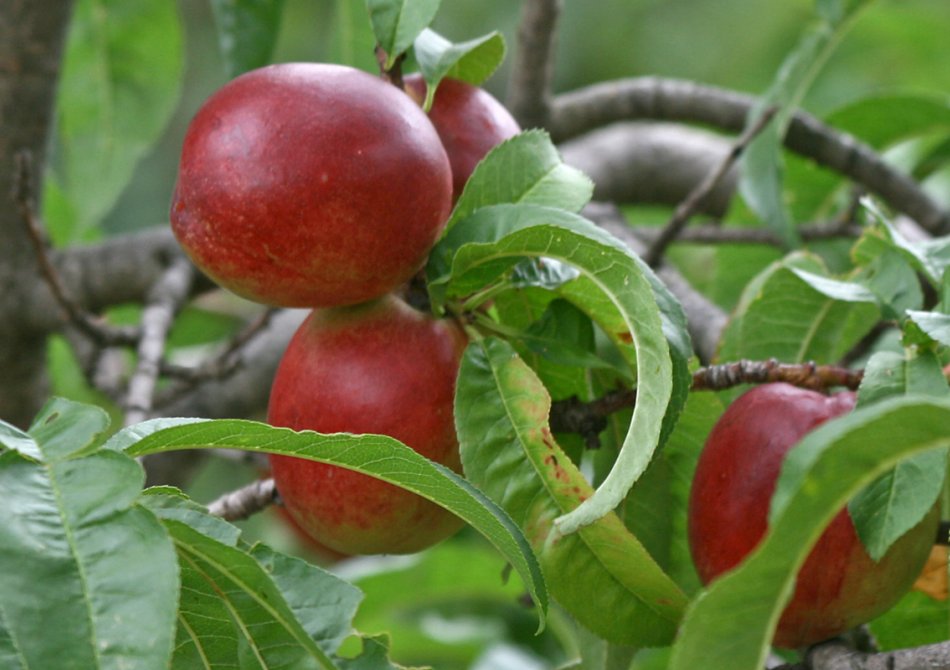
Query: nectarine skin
(470, 122)
(310, 185)
(383, 368)
(839, 585)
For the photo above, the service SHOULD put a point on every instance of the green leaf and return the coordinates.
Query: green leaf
(761, 167)
(819, 476)
(23, 443)
(232, 609)
(601, 573)
(129, 435)
(661, 513)
(322, 602)
(889, 275)
(834, 288)
(779, 315)
(66, 429)
(247, 32)
(896, 502)
(404, 595)
(397, 23)
(565, 335)
(375, 455)
(918, 254)
(473, 61)
(884, 119)
(88, 579)
(120, 84)
(374, 656)
(526, 168)
(614, 289)
(936, 326)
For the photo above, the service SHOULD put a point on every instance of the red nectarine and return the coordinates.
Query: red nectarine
(470, 122)
(380, 367)
(839, 586)
(310, 185)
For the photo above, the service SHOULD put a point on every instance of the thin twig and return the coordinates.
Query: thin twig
(88, 324)
(714, 233)
(245, 501)
(529, 86)
(218, 367)
(589, 418)
(162, 304)
(685, 210)
(806, 375)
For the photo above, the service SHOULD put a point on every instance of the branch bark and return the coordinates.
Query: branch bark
(671, 100)
(837, 655)
(32, 35)
(529, 87)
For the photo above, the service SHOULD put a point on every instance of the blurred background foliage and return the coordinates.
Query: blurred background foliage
(897, 45)
(453, 606)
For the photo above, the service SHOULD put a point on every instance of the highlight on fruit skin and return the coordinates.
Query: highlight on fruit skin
(382, 368)
(839, 586)
(470, 122)
(310, 185)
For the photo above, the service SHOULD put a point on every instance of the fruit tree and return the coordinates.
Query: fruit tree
(387, 333)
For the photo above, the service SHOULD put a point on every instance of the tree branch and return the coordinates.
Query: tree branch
(643, 162)
(245, 501)
(161, 305)
(689, 206)
(529, 86)
(671, 100)
(32, 35)
(837, 655)
(718, 234)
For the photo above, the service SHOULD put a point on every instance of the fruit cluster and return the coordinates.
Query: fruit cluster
(321, 186)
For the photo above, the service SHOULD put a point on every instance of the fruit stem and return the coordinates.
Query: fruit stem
(390, 69)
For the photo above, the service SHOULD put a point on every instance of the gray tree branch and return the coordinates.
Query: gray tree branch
(529, 86)
(31, 45)
(595, 106)
(837, 655)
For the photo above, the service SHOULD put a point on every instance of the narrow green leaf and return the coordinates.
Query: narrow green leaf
(473, 61)
(120, 84)
(129, 435)
(819, 476)
(526, 168)
(601, 574)
(375, 455)
(779, 315)
(613, 289)
(88, 579)
(761, 167)
(247, 32)
(397, 23)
